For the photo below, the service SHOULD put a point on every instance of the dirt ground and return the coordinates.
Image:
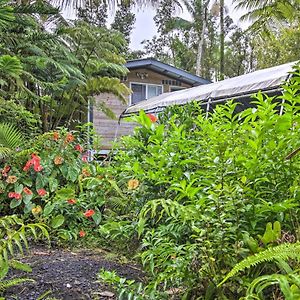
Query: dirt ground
(68, 274)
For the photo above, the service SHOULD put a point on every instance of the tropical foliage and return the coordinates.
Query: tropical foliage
(48, 182)
(208, 204)
(56, 73)
(202, 193)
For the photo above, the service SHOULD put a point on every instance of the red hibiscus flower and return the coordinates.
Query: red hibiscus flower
(82, 233)
(37, 168)
(55, 136)
(89, 213)
(72, 201)
(152, 118)
(78, 148)
(42, 192)
(27, 166)
(6, 169)
(84, 158)
(27, 191)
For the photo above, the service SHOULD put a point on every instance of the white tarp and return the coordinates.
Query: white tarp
(263, 80)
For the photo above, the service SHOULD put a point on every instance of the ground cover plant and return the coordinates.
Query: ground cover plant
(14, 236)
(196, 195)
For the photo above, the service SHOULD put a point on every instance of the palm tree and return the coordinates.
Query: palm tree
(218, 7)
(56, 73)
(222, 39)
(199, 11)
(269, 15)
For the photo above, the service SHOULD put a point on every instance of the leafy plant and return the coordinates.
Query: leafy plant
(5, 284)
(203, 192)
(14, 236)
(127, 289)
(10, 139)
(281, 252)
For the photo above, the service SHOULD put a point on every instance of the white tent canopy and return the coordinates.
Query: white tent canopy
(263, 80)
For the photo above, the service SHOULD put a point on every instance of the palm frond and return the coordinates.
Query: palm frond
(98, 85)
(6, 14)
(269, 15)
(10, 139)
(10, 66)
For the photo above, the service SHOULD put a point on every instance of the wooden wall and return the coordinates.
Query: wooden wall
(109, 129)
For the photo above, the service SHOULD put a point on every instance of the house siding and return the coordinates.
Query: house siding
(110, 130)
(152, 78)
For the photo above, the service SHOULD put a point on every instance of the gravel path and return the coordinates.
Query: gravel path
(68, 275)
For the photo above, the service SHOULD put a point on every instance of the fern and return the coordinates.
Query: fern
(12, 282)
(289, 285)
(6, 14)
(10, 139)
(13, 235)
(281, 252)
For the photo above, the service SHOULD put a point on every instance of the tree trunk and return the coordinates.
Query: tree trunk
(201, 41)
(222, 39)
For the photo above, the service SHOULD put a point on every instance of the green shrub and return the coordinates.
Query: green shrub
(51, 180)
(200, 191)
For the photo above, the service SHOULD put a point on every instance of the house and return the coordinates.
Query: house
(239, 88)
(147, 78)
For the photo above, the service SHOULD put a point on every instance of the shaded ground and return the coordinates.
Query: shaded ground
(68, 274)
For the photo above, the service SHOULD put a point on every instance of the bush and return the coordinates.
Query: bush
(52, 181)
(204, 193)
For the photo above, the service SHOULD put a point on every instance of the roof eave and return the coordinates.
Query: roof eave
(167, 70)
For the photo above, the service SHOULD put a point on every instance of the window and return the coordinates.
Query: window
(154, 90)
(171, 82)
(141, 91)
(138, 93)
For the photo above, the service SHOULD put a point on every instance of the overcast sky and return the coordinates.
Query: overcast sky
(145, 26)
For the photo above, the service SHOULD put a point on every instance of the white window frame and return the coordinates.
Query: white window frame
(146, 84)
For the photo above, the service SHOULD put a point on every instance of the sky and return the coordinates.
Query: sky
(145, 29)
(145, 26)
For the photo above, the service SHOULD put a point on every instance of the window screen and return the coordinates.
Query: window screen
(138, 92)
(154, 90)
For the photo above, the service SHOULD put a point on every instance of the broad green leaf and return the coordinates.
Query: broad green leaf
(15, 203)
(65, 193)
(41, 181)
(48, 209)
(57, 221)
(53, 184)
(97, 217)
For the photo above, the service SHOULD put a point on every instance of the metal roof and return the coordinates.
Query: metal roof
(165, 69)
(267, 80)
